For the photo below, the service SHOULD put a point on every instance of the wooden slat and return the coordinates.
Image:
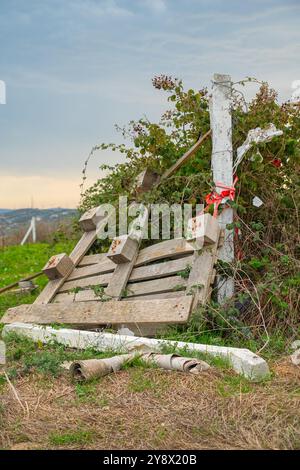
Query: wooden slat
(185, 157)
(139, 288)
(101, 280)
(158, 270)
(103, 267)
(167, 249)
(64, 297)
(166, 268)
(95, 313)
(123, 271)
(89, 295)
(157, 295)
(88, 260)
(142, 273)
(156, 285)
(120, 276)
(200, 277)
(80, 249)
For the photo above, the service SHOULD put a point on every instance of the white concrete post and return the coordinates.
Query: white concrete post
(32, 229)
(33, 222)
(222, 162)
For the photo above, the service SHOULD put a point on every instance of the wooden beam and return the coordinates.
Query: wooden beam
(203, 229)
(145, 181)
(171, 283)
(202, 275)
(95, 313)
(182, 160)
(122, 249)
(122, 272)
(222, 163)
(89, 220)
(58, 266)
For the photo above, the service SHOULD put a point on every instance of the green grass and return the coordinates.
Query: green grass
(24, 356)
(20, 261)
(17, 262)
(139, 382)
(277, 344)
(233, 385)
(80, 437)
(89, 393)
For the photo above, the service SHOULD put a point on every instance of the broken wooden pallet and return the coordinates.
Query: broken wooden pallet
(166, 281)
(148, 288)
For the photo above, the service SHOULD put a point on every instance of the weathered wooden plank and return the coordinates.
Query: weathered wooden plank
(156, 295)
(166, 268)
(119, 278)
(88, 260)
(123, 271)
(158, 270)
(94, 313)
(155, 286)
(122, 249)
(58, 266)
(202, 274)
(80, 249)
(185, 157)
(89, 220)
(167, 249)
(145, 181)
(133, 288)
(89, 295)
(64, 297)
(103, 267)
(100, 264)
(142, 273)
(101, 280)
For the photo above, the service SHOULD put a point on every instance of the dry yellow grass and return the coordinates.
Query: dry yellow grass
(153, 409)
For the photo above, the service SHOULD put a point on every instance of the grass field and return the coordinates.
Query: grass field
(138, 407)
(17, 262)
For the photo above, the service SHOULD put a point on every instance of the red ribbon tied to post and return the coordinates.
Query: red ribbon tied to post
(216, 198)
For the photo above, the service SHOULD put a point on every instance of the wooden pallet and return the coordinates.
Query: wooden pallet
(164, 283)
(143, 290)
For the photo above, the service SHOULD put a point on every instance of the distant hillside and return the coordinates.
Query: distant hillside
(12, 220)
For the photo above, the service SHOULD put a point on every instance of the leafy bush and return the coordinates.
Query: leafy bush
(266, 269)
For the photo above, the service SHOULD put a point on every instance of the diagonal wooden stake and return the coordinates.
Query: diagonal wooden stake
(185, 157)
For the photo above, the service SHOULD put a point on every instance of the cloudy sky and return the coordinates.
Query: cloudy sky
(74, 68)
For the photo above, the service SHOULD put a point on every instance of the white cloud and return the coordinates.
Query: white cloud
(91, 9)
(156, 5)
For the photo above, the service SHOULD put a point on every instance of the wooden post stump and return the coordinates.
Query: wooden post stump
(58, 266)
